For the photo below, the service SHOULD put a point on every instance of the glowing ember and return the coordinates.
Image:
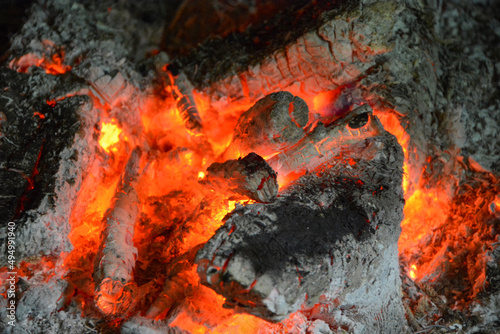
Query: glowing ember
(424, 210)
(39, 114)
(110, 135)
(56, 66)
(495, 205)
(52, 64)
(413, 271)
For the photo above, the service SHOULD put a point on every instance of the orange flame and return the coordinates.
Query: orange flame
(392, 124)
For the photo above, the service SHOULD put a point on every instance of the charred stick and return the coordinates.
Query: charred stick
(182, 90)
(115, 260)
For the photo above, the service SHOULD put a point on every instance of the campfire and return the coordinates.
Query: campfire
(249, 167)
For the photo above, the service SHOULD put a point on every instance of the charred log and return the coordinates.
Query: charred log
(250, 176)
(31, 141)
(274, 123)
(195, 22)
(218, 58)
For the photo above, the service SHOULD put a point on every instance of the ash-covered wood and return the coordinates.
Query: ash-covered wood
(274, 123)
(332, 235)
(250, 176)
(326, 141)
(115, 260)
(278, 126)
(32, 135)
(217, 58)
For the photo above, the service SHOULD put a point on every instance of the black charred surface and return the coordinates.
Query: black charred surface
(314, 231)
(33, 135)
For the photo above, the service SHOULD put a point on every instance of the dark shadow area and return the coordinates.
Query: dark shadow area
(12, 17)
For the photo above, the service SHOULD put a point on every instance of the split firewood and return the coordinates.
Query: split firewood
(329, 238)
(115, 260)
(250, 176)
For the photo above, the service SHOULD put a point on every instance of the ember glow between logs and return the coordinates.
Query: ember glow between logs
(169, 193)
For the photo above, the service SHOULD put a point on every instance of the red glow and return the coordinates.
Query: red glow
(36, 113)
(392, 124)
(424, 210)
(322, 103)
(178, 214)
(55, 66)
(219, 124)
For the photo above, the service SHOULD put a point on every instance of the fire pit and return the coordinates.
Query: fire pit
(269, 167)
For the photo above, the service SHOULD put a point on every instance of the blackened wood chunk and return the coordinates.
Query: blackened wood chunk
(249, 176)
(331, 234)
(32, 137)
(274, 123)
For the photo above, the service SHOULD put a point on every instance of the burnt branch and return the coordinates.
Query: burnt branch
(115, 260)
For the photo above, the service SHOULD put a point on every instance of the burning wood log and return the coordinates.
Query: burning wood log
(325, 142)
(330, 238)
(249, 176)
(177, 83)
(115, 260)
